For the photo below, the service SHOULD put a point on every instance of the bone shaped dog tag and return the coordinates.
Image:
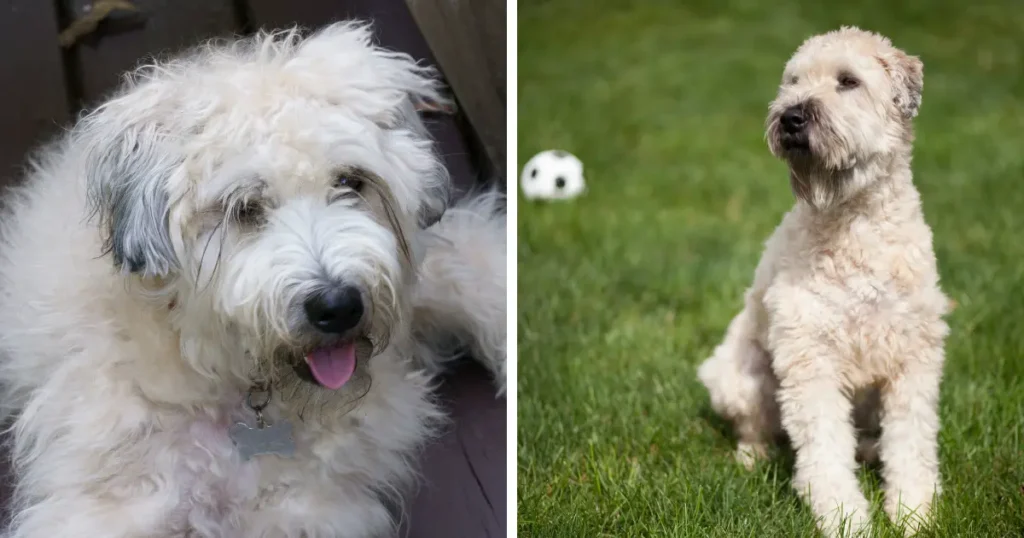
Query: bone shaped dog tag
(273, 439)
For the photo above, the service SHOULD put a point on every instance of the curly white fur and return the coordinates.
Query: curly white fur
(846, 298)
(122, 379)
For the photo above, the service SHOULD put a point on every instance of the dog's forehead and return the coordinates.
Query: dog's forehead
(284, 154)
(828, 58)
(275, 171)
(268, 133)
(250, 96)
(847, 47)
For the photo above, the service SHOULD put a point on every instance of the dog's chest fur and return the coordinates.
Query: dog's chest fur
(858, 280)
(344, 457)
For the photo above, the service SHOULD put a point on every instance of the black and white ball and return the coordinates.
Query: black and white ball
(553, 175)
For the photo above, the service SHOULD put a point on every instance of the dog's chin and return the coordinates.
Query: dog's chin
(808, 155)
(795, 146)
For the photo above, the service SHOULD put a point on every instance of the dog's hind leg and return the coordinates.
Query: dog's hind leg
(460, 299)
(739, 377)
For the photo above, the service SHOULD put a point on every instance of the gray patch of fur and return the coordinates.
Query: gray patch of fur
(126, 176)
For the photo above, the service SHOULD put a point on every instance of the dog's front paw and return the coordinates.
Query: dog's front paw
(847, 521)
(909, 516)
(839, 514)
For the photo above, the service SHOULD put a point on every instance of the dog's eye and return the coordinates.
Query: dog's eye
(848, 81)
(792, 80)
(248, 212)
(348, 181)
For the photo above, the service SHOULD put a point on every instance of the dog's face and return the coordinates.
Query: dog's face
(276, 185)
(847, 97)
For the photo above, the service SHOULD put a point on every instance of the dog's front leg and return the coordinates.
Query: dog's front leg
(135, 510)
(816, 415)
(91, 460)
(909, 441)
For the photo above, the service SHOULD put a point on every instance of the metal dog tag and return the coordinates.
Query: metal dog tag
(266, 439)
(275, 439)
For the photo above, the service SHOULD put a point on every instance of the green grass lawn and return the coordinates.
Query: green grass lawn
(623, 292)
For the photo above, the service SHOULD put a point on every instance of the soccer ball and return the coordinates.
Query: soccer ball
(553, 175)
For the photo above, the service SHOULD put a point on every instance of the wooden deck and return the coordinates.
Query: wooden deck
(463, 494)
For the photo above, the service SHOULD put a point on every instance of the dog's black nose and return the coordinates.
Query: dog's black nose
(335, 310)
(793, 119)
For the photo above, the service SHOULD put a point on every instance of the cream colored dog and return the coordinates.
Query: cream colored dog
(846, 298)
(223, 292)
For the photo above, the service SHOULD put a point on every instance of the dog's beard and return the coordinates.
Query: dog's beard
(819, 187)
(819, 165)
(309, 399)
(288, 373)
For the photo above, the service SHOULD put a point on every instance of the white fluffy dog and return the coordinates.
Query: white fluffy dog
(846, 299)
(223, 292)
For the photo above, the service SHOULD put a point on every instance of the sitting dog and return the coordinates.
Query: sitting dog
(845, 302)
(224, 291)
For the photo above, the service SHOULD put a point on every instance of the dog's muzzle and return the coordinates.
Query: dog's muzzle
(336, 313)
(794, 123)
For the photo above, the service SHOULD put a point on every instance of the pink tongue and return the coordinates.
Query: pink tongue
(333, 367)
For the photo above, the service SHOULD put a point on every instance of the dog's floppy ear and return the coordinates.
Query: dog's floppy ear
(438, 184)
(907, 74)
(127, 168)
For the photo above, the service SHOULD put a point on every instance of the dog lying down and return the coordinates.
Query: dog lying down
(225, 292)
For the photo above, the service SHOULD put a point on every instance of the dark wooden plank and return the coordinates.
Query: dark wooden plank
(32, 77)
(463, 492)
(102, 58)
(468, 39)
(395, 29)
